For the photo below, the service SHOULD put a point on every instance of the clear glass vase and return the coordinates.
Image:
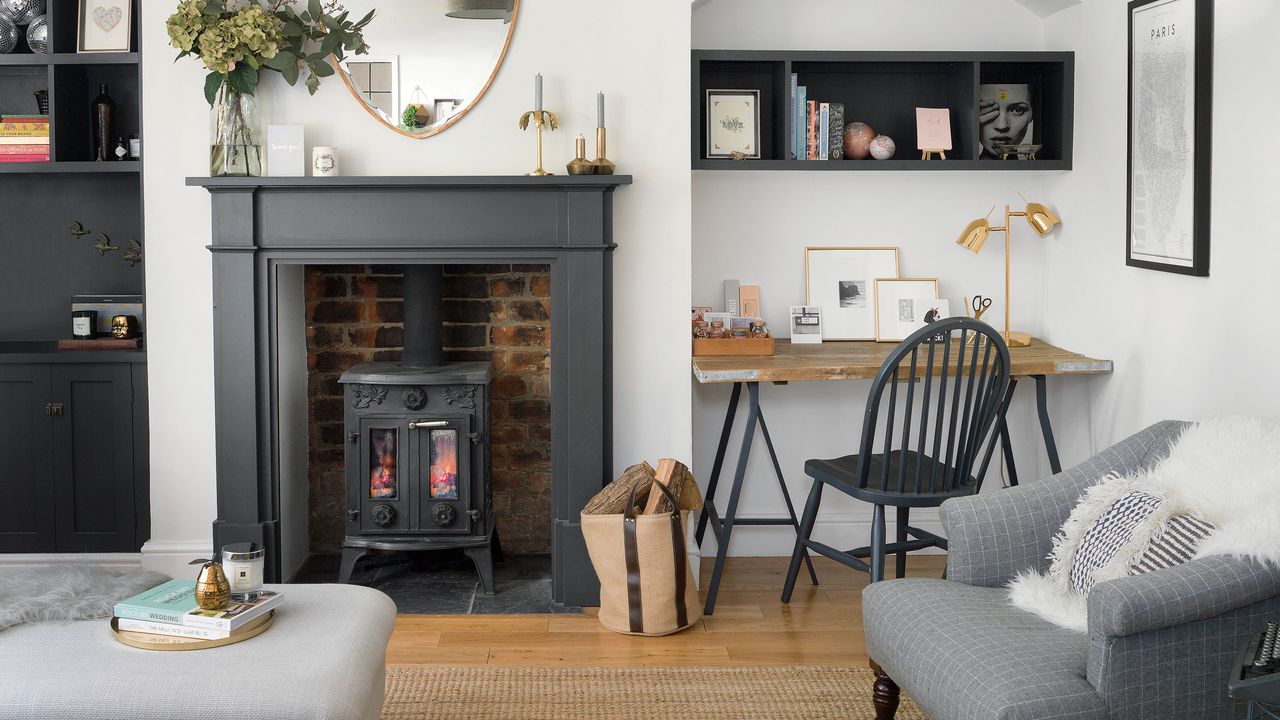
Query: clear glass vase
(235, 134)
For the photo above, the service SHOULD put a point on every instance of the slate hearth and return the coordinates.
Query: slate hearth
(445, 583)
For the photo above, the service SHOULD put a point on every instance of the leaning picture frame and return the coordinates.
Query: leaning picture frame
(841, 280)
(903, 306)
(733, 124)
(104, 26)
(1170, 87)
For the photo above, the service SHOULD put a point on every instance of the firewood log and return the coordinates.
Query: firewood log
(612, 500)
(671, 473)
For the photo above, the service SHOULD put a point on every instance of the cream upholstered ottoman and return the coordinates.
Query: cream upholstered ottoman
(322, 659)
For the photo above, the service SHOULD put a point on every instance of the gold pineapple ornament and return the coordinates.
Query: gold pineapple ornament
(213, 591)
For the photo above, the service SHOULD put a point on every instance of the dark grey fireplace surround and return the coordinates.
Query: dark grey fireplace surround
(260, 224)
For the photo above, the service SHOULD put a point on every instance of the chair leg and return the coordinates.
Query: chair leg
(877, 544)
(904, 515)
(885, 694)
(802, 535)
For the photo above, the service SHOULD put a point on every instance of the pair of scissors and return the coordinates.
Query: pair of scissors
(980, 305)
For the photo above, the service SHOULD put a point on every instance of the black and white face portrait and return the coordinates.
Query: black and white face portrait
(1005, 117)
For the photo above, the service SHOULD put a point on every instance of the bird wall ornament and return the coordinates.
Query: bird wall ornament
(103, 244)
(133, 255)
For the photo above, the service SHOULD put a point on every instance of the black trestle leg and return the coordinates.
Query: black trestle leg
(721, 447)
(802, 535)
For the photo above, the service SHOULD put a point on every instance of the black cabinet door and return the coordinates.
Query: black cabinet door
(93, 457)
(26, 473)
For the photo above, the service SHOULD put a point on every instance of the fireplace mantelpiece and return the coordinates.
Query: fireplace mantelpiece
(260, 224)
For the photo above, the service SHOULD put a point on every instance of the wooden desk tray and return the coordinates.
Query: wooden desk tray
(730, 346)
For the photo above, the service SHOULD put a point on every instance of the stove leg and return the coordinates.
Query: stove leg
(350, 556)
(483, 558)
(498, 557)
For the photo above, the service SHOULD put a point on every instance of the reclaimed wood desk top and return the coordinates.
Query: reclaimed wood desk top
(861, 360)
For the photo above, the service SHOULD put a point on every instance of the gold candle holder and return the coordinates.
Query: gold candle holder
(540, 118)
(580, 165)
(603, 165)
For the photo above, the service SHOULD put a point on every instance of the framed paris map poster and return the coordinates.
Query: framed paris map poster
(1170, 112)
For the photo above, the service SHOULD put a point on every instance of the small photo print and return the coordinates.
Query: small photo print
(853, 293)
(806, 324)
(906, 310)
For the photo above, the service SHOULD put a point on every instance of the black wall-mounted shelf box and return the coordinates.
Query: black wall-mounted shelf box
(883, 89)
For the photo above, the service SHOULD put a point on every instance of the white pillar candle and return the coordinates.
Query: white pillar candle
(537, 92)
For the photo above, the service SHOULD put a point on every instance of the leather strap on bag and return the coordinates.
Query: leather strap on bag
(631, 550)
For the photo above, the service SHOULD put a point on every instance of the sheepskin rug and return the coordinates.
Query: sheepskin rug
(1222, 470)
(68, 592)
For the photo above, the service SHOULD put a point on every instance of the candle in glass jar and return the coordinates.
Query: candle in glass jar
(537, 92)
(243, 564)
(600, 109)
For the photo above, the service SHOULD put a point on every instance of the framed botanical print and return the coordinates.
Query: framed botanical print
(904, 305)
(1170, 118)
(733, 123)
(841, 280)
(104, 26)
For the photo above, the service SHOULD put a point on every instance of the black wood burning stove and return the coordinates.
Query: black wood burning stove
(417, 451)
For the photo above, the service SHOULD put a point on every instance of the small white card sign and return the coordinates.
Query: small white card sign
(933, 129)
(285, 151)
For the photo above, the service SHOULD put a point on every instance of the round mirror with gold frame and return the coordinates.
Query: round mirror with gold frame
(429, 61)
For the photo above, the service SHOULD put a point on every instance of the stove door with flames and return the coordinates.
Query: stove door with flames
(382, 464)
(442, 482)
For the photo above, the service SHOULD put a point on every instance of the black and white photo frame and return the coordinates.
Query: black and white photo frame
(1170, 88)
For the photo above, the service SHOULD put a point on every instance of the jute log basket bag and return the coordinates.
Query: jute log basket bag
(646, 584)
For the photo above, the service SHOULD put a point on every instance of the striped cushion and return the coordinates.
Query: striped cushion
(1107, 536)
(1175, 544)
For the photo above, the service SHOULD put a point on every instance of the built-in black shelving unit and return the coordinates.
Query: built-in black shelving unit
(883, 89)
(77, 476)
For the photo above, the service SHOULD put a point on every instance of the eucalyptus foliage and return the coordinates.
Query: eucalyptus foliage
(238, 39)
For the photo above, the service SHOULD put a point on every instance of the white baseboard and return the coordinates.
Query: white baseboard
(838, 531)
(173, 558)
(115, 561)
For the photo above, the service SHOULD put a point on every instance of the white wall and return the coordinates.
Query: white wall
(580, 47)
(1184, 347)
(754, 227)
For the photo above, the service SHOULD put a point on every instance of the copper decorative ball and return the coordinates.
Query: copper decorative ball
(857, 140)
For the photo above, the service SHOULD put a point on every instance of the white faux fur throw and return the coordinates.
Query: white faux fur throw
(67, 592)
(1223, 470)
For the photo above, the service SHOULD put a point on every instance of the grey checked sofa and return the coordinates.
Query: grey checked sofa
(1160, 646)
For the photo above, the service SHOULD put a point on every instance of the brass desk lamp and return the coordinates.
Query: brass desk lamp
(1040, 218)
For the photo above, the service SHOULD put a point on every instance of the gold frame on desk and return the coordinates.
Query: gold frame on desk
(831, 330)
(879, 336)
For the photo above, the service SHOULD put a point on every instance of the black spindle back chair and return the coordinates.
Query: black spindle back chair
(921, 445)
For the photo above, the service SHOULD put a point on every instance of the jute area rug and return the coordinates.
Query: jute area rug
(742, 693)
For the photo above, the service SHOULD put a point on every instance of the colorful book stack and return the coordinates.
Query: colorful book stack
(170, 609)
(819, 126)
(24, 138)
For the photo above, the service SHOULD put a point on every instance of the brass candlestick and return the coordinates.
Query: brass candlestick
(580, 165)
(540, 118)
(603, 165)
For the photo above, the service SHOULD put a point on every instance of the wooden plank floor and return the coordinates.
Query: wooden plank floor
(822, 625)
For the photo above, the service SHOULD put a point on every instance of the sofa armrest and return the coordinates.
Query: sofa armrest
(1186, 593)
(993, 537)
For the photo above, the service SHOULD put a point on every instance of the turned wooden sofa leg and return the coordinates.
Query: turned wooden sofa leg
(884, 693)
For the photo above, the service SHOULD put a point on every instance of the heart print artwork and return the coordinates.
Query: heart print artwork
(107, 17)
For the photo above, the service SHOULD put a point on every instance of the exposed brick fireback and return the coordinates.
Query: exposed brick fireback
(491, 312)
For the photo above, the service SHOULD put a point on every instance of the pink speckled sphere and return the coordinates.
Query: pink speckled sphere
(882, 147)
(857, 140)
